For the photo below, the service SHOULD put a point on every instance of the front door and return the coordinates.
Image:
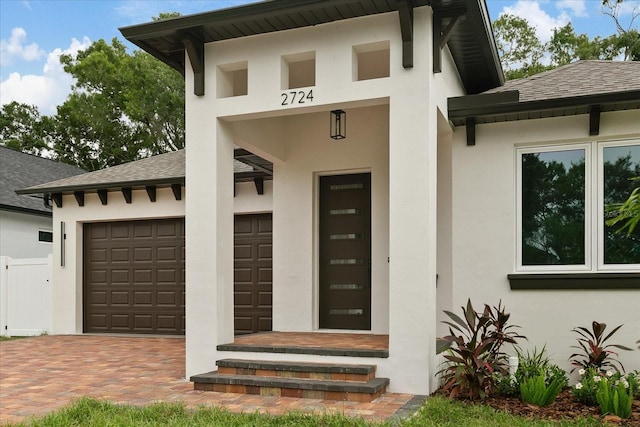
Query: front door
(345, 252)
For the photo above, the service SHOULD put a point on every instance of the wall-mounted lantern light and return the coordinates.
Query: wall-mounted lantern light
(338, 124)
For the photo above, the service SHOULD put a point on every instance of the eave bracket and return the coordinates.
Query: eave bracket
(405, 13)
(195, 51)
(470, 123)
(594, 119)
(441, 36)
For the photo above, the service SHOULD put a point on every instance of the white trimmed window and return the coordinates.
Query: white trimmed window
(562, 196)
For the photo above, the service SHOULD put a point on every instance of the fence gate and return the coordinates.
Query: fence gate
(26, 296)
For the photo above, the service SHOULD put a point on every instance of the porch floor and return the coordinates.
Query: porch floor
(322, 343)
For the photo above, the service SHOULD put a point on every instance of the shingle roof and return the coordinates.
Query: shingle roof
(159, 170)
(577, 79)
(19, 170)
(164, 168)
(573, 89)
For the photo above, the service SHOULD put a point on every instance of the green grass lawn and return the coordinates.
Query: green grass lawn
(437, 411)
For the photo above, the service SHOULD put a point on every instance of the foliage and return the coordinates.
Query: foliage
(122, 107)
(90, 412)
(436, 412)
(626, 213)
(593, 353)
(585, 391)
(23, 129)
(523, 54)
(530, 365)
(473, 350)
(535, 391)
(615, 398)
(520, 49)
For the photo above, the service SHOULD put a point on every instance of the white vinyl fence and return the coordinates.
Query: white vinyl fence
(26, 296)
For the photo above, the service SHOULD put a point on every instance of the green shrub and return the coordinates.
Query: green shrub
(530, 365)
(473, 350)
(614, 397)
(593, 353)
(585, 391)
(536, 392)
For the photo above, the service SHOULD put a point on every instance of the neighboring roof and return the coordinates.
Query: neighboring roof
(470, 41)
(160, 170)
(19, 170)
(568, 90)
(163, 169)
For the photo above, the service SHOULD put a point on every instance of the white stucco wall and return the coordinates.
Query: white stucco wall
(392, 132)
(19, 235)
(484, 236)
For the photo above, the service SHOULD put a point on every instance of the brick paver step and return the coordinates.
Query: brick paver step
(291, 387)
(318, 371)
(294, 349)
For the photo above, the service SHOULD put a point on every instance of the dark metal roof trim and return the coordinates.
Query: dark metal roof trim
(138, 184)
(460, 108)
(25, 211)
(471, 43)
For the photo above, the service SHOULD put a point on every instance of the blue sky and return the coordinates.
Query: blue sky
(33, 33)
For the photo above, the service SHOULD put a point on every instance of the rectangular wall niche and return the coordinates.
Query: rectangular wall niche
(298, 70)
(231, 80)
(371, 61)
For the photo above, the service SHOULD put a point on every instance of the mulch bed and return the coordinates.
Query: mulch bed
(564, 407)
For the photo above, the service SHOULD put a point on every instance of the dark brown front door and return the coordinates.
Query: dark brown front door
(345, 252)
(252, 273)
(134, 277)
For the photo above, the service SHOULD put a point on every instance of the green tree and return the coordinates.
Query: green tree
(520, 49)
(122, 107)
(23, 129)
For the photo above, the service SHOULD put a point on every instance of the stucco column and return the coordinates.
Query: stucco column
(412, 253)
(209, 237)
(412, 226)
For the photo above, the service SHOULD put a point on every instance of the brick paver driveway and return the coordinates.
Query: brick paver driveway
(39, 375)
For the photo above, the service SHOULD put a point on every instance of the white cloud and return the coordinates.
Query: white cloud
(577, 7)
(538, 18)
(15, 47)
(48, 90)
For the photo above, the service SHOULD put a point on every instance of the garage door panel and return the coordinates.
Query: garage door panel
(134, 277)
(252, 273)
(120, 255)
(143, 254)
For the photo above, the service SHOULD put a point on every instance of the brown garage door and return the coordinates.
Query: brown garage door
(134, 277)
(252, 273)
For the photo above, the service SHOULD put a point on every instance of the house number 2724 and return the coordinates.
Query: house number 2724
(297, 97)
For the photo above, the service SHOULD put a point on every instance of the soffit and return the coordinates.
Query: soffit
(471, 40)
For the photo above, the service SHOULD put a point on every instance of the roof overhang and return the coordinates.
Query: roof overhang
(470, 41)
(472, 110)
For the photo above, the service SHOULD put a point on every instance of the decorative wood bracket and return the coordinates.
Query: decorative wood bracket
(259, 182)
(151, 192)
(594, 119)
(470, 123)
(57, 198)
(195, 50)
(126, 192)
(177, 191)
(440, 36)
(79, 195)
(103, 195)
(405, 13)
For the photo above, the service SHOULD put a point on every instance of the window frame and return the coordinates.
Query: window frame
(594, 209)
(599, 224)
(42, 230)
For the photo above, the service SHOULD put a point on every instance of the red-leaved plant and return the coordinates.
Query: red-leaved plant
(474, 350)
(593, 351)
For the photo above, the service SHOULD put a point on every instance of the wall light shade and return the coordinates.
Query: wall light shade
(338, 124)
